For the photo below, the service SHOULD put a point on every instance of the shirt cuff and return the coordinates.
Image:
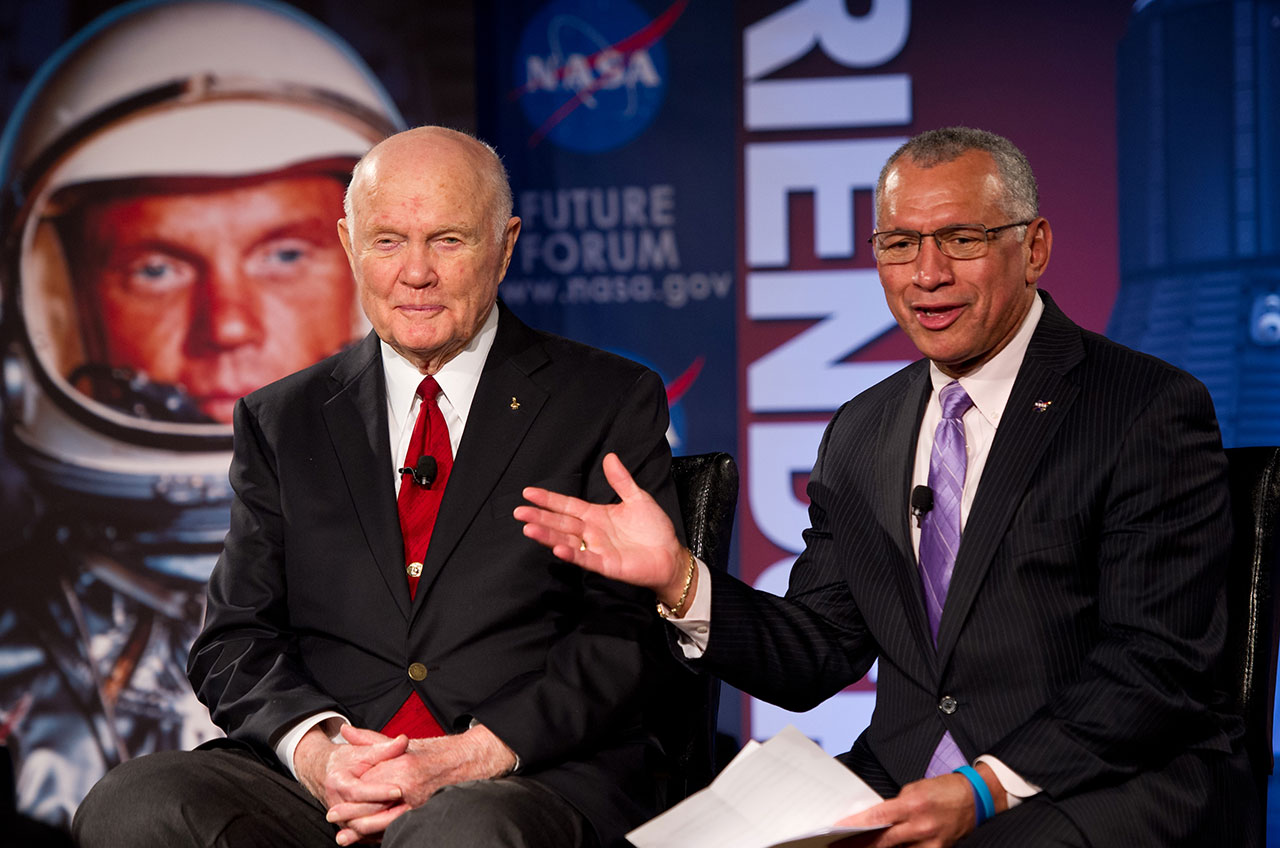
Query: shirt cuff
(1016, 789)
(695, 626)
(288, 743)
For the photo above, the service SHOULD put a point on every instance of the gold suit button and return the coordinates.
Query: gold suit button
(418, 671)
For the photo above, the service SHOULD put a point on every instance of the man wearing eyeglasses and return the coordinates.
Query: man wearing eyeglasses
(1028, 528)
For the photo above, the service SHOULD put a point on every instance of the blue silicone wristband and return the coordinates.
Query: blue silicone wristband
(984, 805)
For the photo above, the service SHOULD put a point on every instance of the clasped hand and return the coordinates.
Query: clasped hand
(374, 779)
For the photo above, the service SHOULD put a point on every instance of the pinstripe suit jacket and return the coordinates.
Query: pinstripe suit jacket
(1085, 614)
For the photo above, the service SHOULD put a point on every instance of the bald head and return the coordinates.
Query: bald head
(429, 235)
(423, 148)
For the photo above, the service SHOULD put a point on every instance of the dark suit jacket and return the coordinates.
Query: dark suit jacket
(309, 606)
(1085, 613)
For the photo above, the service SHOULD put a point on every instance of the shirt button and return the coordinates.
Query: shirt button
(418, 671)
(948, 704)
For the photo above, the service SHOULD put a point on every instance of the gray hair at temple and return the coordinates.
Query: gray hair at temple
(935, 147)
(494, 175)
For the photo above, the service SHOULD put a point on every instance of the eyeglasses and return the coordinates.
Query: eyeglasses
(967, 241)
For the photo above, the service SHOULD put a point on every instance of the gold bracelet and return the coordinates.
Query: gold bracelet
(674, 612)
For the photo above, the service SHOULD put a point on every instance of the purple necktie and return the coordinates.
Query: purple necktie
(940, 533)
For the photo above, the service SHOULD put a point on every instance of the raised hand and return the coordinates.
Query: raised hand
(632, 541)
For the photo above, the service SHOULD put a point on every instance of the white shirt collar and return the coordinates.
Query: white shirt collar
(989, 386)
(458, 377)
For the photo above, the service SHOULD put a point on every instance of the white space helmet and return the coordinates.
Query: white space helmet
(205, 89)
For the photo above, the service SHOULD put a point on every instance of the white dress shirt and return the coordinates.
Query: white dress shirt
(457, 379)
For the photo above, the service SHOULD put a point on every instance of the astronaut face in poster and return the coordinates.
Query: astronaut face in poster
(212, 290)
(172, 181)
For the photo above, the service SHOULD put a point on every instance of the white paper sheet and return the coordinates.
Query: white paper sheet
(784, 792)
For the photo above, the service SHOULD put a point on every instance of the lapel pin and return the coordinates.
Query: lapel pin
(1042, 405)
(515, 404)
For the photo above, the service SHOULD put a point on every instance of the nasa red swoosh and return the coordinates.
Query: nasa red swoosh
(684, 382)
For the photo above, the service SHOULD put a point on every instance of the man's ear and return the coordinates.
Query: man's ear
(509, 245)
(344, 236)
(1040, 235)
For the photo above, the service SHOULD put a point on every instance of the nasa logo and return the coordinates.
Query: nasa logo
(591, 74)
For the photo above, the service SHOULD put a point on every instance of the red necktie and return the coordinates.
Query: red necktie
(419, 504)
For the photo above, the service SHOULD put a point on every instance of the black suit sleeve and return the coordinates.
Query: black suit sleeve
(245, 665)
(799, 650)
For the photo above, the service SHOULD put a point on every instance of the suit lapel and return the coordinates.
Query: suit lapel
(356, 417)
(899, 430)
(505, 405)
(1026, 428)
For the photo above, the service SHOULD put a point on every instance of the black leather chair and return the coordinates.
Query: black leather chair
(707, 485)
(682, 704)
(1250, 658)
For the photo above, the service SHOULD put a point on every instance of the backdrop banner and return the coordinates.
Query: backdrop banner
(615, 119)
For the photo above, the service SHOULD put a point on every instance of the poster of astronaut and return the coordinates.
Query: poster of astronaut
(174, 173)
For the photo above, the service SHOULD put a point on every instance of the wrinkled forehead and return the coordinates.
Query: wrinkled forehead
(434, 197)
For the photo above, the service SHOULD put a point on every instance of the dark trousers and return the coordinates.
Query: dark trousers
(229, 799)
